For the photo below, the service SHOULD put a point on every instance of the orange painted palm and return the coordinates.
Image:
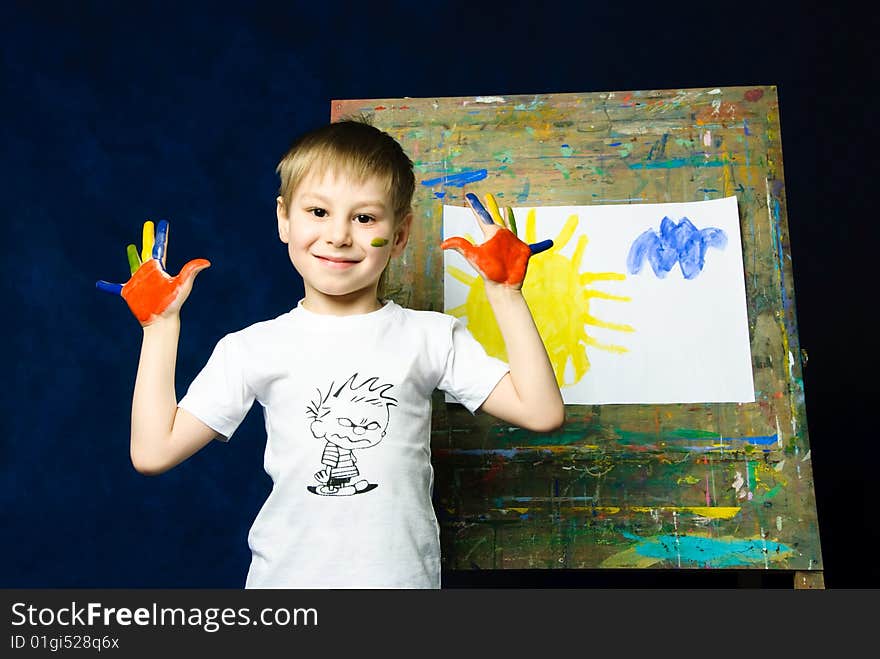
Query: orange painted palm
(502, 258)
(151, 292)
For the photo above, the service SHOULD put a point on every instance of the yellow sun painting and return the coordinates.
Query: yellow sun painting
(559, 295)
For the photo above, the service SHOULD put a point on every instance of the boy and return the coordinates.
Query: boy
(345, 379)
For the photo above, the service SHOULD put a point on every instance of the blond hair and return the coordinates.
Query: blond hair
(353, 147)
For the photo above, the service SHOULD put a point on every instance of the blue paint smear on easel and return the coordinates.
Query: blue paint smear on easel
(458, 180)
(703, 551)
(680, 243)
(674, 163)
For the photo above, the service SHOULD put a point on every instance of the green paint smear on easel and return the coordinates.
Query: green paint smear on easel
(379, 242)
(769, 495)
(565, 173)
(572, 433)
(688, 433)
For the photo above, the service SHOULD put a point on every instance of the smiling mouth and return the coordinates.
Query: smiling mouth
(335, 262)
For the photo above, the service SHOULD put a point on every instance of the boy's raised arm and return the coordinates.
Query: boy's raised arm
(162, 435)
(528, 396)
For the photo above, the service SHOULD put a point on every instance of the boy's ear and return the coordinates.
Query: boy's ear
(401, 235)
(283, 224)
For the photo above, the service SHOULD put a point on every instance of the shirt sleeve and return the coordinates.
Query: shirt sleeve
(470, 374)
(219, 395)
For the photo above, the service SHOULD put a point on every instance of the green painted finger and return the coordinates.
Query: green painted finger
(511, 221)
(134, 259)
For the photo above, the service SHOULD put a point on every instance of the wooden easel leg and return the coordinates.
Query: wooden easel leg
(812, 580)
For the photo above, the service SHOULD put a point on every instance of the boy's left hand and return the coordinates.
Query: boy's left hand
(502, 258)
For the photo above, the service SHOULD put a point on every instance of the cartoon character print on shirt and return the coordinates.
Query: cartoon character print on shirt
(348, 418)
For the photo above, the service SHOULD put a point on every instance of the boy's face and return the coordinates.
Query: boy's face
(352, 423)
(340, 236)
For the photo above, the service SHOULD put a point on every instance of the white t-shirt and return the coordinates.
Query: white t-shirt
(347, 407)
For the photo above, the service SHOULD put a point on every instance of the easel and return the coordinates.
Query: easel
(508, 500)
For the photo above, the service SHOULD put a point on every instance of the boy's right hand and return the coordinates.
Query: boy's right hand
(151, 293)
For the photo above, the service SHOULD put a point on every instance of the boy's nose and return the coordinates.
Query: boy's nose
(337, 231)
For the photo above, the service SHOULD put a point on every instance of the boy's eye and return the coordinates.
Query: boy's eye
(363, 219)
(346, 423)
(373, 425)
(318, 212)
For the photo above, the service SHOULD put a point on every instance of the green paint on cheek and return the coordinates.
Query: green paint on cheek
(379, 242)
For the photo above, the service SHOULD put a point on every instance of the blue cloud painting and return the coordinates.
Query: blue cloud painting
(679, 242)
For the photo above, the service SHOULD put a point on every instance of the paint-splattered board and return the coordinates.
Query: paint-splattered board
(623, 486)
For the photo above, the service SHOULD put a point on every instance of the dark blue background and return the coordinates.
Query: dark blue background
(118, 112)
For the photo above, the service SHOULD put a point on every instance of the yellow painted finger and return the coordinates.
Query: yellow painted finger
(492, 207)
(502, 211)
(147, 244)
(134, 261)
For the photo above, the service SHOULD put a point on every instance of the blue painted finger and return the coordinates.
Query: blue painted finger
(107, 287)
(479, 208)
(161, 241)
(542, 246)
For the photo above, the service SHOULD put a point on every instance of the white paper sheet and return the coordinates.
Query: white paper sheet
(675, 339)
